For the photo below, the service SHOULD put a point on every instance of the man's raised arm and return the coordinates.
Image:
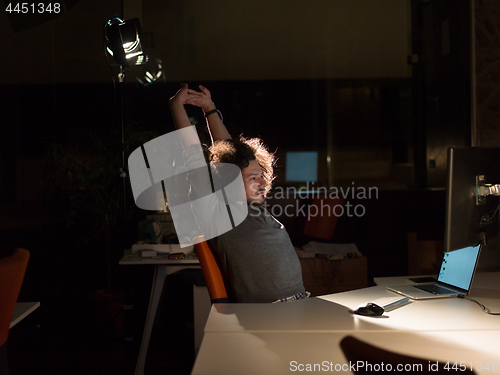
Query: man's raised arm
(179, 114)
(216, 127)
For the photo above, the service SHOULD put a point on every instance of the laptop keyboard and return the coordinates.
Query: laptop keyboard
(433, 288)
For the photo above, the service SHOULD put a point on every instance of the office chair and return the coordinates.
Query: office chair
(357, 350)
(218, 284)
(12, 270)
(322, 219)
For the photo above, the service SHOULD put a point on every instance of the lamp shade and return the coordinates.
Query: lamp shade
(124, 42)
(152, 72)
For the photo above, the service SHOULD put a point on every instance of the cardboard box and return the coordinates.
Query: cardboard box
(325, 276)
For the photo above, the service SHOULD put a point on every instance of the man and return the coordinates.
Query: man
(257, 254)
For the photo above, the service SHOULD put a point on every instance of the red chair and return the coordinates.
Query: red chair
(12, 270)
(322, 217)
(218, 285)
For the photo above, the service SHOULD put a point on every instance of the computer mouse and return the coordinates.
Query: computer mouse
(371, 309)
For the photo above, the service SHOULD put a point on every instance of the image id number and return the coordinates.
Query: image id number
(474, 366)
(33, 8)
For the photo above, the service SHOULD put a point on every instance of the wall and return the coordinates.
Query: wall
(487, 72)
(219, 40)
(378, 223)
(362, 45)
(68, 49)
(486, 119)
(235, 40)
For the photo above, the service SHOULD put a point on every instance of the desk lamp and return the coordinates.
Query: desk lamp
(124, 42)
(123, 48)
(152, 73)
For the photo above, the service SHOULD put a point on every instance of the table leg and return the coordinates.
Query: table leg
(201, 305)
(156, 291)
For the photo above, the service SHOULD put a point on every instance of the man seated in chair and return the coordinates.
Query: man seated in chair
(258, 256)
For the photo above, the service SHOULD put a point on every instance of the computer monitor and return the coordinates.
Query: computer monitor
(471, 204)
(301, 166)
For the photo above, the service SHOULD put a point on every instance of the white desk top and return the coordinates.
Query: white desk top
(330, 313)
(485, 287)
(287, 337)
(482, 280)
(279, 338)
(284, 353)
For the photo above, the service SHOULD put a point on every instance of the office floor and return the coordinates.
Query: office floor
(66, 336)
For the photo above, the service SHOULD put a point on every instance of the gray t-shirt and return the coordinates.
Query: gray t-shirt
(260, 259)
(258, 255)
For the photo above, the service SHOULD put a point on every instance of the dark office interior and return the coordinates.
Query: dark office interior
(380, 89)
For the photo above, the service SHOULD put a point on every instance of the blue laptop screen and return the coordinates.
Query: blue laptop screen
(458, 267)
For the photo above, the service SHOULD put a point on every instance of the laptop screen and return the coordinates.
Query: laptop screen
(458, 267)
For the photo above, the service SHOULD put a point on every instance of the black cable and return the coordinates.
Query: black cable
(484, 308)
(486, 219)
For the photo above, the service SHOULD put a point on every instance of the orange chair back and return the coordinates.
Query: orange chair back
(218, 286)
(323, 215)
(12, 270)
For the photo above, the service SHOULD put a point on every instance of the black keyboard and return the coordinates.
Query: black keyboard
(434, 289)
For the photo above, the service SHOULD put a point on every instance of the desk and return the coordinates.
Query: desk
(22, 310)
(279, 338)
(163, 268)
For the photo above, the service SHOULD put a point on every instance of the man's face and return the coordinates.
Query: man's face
(254, 182)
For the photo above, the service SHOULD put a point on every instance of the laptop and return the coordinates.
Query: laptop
(455, 276)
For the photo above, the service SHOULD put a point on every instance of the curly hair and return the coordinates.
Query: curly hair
(241, 151)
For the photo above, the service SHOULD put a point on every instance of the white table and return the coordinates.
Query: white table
(280, 338)
(281, 353)
(164, 267)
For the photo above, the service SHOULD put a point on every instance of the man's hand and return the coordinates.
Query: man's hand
(184, 96)
(203, 100)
